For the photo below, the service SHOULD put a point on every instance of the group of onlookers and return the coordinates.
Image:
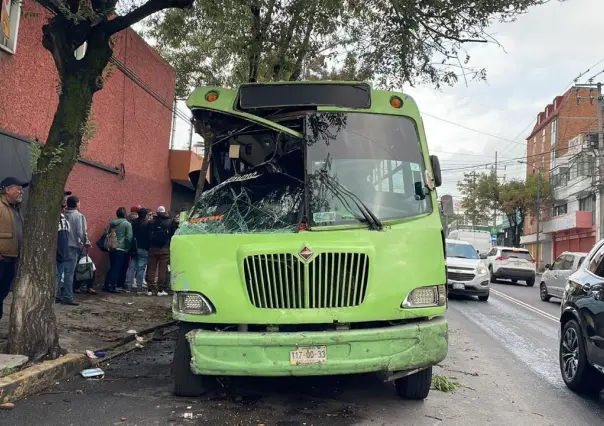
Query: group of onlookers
(138, 245)
(141, 242)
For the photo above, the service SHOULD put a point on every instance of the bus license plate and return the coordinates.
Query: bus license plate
(458, 286)
(308, 355)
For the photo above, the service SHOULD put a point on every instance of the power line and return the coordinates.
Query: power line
(471, 129)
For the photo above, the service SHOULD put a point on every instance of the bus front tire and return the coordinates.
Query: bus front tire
(185, 382)
(415, 386)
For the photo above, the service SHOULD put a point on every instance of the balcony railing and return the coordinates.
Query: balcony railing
(565, 222)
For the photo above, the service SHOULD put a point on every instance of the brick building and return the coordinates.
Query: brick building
(560, 146)
(126, 162)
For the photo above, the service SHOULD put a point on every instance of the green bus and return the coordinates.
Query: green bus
(316, 246)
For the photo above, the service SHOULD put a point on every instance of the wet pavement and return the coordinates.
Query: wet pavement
(503, 353)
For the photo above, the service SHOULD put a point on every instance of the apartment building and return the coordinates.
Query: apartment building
(561, 147)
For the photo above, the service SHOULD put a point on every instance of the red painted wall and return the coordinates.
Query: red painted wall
(132, 127)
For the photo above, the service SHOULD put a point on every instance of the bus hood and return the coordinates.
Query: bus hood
(310, 277)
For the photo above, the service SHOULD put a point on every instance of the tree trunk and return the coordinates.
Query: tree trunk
(33, 330)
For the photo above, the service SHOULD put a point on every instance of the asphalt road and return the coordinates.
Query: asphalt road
(503, 354)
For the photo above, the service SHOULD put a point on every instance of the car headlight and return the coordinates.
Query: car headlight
(192, 303)
(423, 297)
(481, 270)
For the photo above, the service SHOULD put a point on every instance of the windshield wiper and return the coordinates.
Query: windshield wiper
(338, 189)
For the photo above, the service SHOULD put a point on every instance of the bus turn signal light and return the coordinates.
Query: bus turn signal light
(211, 96)
(396, 102)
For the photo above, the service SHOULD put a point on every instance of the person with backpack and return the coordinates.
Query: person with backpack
(118, 240)
(162, 229)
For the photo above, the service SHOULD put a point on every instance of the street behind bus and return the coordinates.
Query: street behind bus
(503, 355)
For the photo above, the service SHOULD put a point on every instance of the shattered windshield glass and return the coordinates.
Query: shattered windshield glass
(264, 200)
(375, 156)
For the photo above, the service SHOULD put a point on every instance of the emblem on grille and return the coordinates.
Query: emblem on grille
(305, 253)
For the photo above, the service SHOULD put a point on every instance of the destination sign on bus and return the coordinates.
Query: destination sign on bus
(256, 96)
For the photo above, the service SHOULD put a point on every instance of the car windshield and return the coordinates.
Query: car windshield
(517, 254)
(463, 251)
(377, 157)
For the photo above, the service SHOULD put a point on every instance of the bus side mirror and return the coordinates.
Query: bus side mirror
(438, 179)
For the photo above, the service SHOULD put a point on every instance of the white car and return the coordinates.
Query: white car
(466, 273)
(555, 276)
(512, 264)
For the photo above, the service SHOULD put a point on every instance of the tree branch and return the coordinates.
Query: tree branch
(149, 8)
(59, 8)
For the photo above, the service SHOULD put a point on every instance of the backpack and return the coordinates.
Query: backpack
(160, 234)
(111, 242)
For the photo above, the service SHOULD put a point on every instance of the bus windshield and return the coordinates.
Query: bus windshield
(377, 157)
(350, 168)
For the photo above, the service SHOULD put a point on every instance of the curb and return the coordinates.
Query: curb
(40, 376)
(45, 374)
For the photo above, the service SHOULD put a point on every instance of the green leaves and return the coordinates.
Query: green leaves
(227, 42)
(483, 194)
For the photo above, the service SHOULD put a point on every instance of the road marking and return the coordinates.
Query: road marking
(526, 305)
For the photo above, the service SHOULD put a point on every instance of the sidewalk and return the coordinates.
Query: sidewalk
(100, 320)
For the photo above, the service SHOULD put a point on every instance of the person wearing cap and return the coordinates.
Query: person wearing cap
(11, 232)
(162, 229)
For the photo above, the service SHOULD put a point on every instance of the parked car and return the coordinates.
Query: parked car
(581, 349)
(466, 273)
(555, 276)
(513, 264)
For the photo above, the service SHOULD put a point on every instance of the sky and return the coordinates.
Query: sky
(540, 55)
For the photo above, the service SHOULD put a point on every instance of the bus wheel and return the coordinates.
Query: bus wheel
(185, 382)
(415, 386)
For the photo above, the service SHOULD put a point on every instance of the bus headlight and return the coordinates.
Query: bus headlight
(423, 297)
(192, 303)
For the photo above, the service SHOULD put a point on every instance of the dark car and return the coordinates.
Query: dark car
(581, 350)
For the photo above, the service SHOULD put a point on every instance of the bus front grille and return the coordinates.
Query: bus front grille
(328, 280)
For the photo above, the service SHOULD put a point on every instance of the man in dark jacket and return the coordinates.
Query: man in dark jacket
(161, 231)
(138, 263)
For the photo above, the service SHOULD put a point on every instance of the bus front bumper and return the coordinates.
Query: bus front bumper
(396, 348)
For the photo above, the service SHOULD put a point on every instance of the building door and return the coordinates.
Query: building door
(586, 244)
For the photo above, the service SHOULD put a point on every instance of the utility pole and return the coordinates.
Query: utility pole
(538, 215)
(191, 135)
(173, 137)
(600, 152)
(473, 174)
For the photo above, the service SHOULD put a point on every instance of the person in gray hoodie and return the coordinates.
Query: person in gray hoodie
(78, 243)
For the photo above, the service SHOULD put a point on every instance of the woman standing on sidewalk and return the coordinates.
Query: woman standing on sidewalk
(119, 238)
(138, 264)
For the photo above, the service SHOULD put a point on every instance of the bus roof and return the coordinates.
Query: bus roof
(263, 99)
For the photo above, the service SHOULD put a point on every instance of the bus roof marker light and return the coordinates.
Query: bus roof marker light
(396, 102)
(211, 96)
